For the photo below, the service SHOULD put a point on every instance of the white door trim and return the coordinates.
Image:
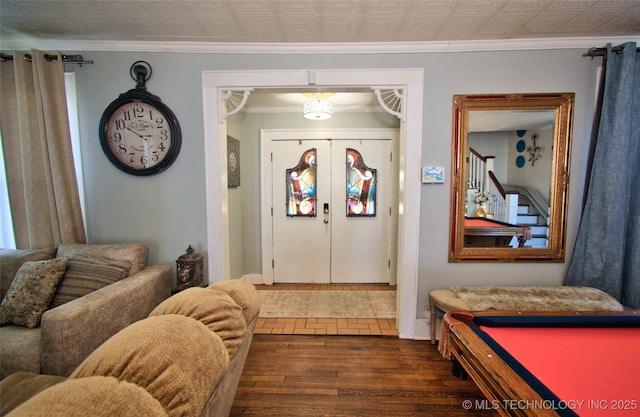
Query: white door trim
(409, 80)
(266, 186)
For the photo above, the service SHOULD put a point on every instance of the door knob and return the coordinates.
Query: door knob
(326, 221)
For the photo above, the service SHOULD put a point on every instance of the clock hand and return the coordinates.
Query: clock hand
(142, 136)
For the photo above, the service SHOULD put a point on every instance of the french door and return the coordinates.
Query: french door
(332, 211)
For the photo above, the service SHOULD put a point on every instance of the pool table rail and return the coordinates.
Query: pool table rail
(496, 379)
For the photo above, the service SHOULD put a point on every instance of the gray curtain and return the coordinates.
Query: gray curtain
(41, 180)
(607, 252)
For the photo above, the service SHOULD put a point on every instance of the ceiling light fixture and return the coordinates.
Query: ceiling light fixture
(318, 109)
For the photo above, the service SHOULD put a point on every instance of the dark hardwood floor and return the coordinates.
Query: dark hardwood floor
(346, 376)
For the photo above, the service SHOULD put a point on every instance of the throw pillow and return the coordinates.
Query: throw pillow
(31, 292)
(136, 253)
(12, 259)
(86, 274)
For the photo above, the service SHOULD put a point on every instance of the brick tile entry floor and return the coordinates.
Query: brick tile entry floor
(327, 326)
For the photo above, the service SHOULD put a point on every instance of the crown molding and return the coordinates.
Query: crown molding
(316, 48)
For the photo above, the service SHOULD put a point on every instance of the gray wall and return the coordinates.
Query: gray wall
(239, 202)
(167, 211)
(493, 144)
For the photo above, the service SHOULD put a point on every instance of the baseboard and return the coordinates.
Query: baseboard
(255, 279)
(422, 330)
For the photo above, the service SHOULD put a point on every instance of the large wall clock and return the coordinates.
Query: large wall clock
(139, 134)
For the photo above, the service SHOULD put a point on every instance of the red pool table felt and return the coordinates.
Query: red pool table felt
(580, 364)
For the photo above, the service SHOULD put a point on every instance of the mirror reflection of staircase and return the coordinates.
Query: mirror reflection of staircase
(529, 215)
(514, 204)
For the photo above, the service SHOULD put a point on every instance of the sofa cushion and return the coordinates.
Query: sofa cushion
(20, 386)
(19, 350)
(174, 358)
(135, 253)
(86, 274)
(96, 396)
(31, 292)
(215, 309)
(12, 259)
(244, 294)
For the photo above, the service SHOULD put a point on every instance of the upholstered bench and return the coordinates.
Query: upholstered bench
(538, 298)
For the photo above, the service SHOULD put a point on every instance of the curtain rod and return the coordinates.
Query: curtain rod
(602, 51)
(67, 59)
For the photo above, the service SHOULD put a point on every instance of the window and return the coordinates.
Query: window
(7, 240)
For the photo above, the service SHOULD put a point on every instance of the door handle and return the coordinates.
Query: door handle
(326, 208)
(326, 221)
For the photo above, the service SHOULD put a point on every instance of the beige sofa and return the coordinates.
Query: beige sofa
(185, 359)
(68, 333)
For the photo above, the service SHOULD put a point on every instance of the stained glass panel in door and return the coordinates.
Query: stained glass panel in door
(301, 186)
(361, 186)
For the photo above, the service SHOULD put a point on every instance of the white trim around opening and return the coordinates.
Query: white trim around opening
(409, 80)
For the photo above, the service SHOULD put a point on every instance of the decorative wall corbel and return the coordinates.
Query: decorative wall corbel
(392, 100)
(232, 101)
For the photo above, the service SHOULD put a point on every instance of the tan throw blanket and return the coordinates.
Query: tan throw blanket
(538, 298)
(560, 298)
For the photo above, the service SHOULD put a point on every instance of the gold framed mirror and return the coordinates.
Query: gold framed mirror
(510, 176)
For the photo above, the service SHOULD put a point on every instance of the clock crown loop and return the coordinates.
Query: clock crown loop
(140, 71)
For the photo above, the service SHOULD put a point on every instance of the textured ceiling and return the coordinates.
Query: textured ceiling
(236, 22)
(315, 21)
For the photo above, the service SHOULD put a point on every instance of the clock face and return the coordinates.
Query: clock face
(139, 136)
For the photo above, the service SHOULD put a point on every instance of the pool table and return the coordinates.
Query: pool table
(481, 232)
(550, 364)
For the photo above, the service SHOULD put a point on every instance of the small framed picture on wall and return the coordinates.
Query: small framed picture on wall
(432, 175)
(233, 162)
